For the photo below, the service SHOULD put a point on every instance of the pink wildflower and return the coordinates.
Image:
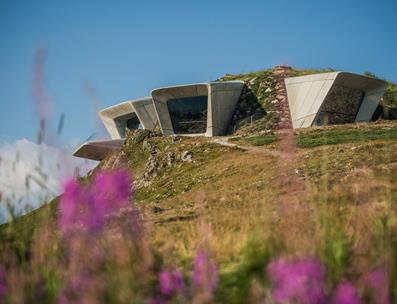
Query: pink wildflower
(205, 273)
(79, 285)
(377, 280)
(346, 294)
(71, 205)
(88, 206)
(300, 281)
(171, 282)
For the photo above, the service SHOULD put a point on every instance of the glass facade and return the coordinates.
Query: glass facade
(134, 123)
(340, 106)
(127, 122)
(188, 114)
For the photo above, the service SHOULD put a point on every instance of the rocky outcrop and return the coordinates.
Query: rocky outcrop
(389, 112)
(248, 109)
(385, 110)
(281, 101)
(159, 161)
(263, 104)
(159, 156)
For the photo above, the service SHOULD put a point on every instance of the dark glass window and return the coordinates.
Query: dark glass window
(188, 114)
(133, 123)
(341, 106)
(127, 122)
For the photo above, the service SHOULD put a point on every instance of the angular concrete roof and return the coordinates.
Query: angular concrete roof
(307, 95)
(336, 97)
(98, 149)
(222, 98)
(115, 117)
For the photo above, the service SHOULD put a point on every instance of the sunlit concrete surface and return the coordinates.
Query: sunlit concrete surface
(333, 98)
(131, 114)
(98, 149)
(214, 103)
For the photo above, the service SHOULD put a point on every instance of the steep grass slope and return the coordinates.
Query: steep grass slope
(327, 192)
(347, 186)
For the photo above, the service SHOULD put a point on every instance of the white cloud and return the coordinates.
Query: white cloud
(31, 174)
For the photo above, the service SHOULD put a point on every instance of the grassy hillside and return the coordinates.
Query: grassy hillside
(343, 210)
(236, 191)
(249, 201)
(331, 196)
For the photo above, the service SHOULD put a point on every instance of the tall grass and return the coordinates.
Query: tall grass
(97, 251)
(324, 233)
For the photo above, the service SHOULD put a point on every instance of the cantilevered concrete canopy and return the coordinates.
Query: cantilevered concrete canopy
(200, 109)
(98, 149)
(333, 98)
(131, 114)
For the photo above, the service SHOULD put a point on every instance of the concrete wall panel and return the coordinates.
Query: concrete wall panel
(98, 149)
(306, 94)
(369, 105)
(115, 117)
(162, 95)
(222, 99)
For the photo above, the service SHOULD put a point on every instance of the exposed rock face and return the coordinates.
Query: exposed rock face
(281, 101)
(159, 157)
(159, 161)
(186, 156)
(137, 136)
(248, 109)
(263, 104)
(389, 112)
(149, 146)
(116, 160)
(170, 158)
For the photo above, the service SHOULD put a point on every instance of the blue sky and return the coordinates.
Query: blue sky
(123, 49)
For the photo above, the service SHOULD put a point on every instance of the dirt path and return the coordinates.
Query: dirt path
(291, 212)
(224, 141)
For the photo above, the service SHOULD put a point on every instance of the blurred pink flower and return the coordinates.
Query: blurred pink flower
(76, 287)
(346, 294)
(73, 203)
(171, 282)
(88, 206)
(378, 281)
(205, 273)
(300, 281)
(112, 189)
